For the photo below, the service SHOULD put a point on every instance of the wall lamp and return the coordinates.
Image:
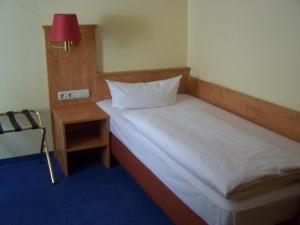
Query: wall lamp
(65, 29)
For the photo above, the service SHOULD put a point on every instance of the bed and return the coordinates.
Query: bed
(206, 197)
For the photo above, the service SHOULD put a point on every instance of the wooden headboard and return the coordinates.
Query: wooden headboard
(101, 90)
(77, 69)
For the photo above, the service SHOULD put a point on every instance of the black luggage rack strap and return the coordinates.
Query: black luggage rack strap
(16, 126)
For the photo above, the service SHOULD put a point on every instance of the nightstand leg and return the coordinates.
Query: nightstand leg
(106, 157)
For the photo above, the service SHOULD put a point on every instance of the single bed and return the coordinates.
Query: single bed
(208, 199)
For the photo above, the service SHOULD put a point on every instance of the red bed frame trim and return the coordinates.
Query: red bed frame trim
(177, 211)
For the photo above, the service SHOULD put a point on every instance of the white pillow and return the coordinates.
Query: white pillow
(144, 95)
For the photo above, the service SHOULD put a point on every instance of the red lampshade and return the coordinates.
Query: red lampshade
(65, 28)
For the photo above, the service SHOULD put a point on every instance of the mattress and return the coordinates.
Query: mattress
(202, 199)
(237, 161)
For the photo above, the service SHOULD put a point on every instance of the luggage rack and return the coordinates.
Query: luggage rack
(16, 127)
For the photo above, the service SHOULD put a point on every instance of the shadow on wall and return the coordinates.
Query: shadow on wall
(124, 30)
(120, 32)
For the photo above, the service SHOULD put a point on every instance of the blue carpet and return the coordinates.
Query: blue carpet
(92, 195)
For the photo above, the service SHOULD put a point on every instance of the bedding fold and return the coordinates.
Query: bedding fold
(233, 156)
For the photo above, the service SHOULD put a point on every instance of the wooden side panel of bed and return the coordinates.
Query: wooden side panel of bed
(178, 212)
(271, 116)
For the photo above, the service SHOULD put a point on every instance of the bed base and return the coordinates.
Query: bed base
(176, 210)
(172, 206)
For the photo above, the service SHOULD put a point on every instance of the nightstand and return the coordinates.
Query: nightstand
(78, 128)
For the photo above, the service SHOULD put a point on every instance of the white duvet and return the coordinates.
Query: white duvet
(219, 148)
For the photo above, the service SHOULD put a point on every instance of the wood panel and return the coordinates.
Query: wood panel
(74, 69)
(271, 116)
(101, 90)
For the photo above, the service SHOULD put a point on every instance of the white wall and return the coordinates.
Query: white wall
(132, 34)
(250, 46)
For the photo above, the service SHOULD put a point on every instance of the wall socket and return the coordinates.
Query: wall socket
(73, 94)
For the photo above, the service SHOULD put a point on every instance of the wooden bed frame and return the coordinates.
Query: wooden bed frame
(177, 211)
(173, 207)
(77, 69)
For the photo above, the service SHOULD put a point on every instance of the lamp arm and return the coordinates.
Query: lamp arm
(67, 45)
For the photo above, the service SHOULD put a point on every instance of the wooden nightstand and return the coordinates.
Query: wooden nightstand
(80, 127)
